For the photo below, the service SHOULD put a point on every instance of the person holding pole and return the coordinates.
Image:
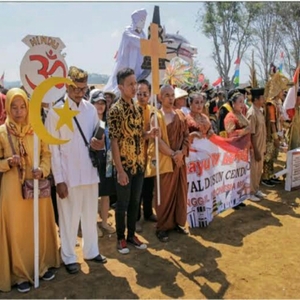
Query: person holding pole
(16, 214)
(75, 176)
(174, 143)
(143, 96)
(127, 135)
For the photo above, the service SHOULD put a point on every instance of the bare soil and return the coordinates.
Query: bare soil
(249, 253)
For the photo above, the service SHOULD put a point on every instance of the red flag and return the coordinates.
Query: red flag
(217, 82)
(238, 61)
(201, 78)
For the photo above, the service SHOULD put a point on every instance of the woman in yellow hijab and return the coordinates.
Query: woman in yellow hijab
(16, 214)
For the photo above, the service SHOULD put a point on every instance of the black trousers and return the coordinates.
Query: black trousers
(54, 203)
(146, 198)
(128, 199)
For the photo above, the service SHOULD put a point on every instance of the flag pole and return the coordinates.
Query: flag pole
(36, 212)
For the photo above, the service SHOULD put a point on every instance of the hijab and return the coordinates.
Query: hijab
(18, 130)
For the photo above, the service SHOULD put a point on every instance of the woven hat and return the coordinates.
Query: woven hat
(179, 93)
(276, 84)
(111, 93)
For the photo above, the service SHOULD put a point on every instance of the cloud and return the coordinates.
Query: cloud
(115, 33)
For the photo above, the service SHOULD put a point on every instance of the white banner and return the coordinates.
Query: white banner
(217, 179)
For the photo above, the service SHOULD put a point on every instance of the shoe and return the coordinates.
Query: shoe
(242, 204)
(260, 194)
(152, 218)
(49, 275)
(136, 243)
(275, 181)
(162, 236)
(100, 232)
(122, 246)
(99, 259)
(23, 287)
(109, 229)
(181, 229)
(72, 268)
(254, 198)
(267, 183)
(138, 227)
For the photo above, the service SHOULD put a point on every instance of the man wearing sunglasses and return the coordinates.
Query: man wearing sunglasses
(75, 177)
(143, 96)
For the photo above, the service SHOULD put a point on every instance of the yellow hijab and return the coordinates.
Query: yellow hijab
(18, 130)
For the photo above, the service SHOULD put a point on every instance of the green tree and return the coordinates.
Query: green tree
(196, 70)
(289, 25)
(266, 37)
(227, 24)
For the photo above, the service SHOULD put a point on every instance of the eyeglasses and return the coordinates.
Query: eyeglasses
(142, 94)
(77, 90)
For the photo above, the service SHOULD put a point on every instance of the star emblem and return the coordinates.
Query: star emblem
(66, 116)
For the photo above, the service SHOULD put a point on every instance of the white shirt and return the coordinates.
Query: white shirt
(70, 162)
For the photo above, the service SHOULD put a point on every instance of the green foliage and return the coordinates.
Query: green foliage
(227, 24)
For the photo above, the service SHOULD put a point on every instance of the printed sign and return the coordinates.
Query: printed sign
(292, 181)
(217, 180)
(42, 61)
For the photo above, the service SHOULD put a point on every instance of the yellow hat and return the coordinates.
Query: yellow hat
(277, 84)
(77, 75)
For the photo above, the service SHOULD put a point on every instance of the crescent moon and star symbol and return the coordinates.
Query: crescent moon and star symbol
(65, 114)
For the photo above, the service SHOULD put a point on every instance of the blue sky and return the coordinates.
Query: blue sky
(92, 31)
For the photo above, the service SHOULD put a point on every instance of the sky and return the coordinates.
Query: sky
(92, 32)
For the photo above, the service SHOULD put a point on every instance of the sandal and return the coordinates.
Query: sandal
(162, 236)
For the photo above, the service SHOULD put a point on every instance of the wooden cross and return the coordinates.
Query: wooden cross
(155, 50)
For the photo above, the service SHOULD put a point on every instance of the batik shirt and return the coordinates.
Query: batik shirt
(127, 126)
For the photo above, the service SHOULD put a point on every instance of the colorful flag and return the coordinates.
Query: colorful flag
(201, 78)
(236, 76)
(281, 63)
(217, 82)
(290, 100)
(2, 80)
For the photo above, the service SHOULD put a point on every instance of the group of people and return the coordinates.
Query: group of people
(121, 164)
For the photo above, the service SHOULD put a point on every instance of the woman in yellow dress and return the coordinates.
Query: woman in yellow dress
(16, 214)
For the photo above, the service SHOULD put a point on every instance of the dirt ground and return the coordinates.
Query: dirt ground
(249, 253)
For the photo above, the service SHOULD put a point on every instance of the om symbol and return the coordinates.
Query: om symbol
(44, 70)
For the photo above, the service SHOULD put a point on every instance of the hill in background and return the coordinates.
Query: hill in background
(94, 78)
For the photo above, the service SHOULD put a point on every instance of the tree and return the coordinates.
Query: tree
(289, 26)
(266, 37)
(228, 25)
(196, 70)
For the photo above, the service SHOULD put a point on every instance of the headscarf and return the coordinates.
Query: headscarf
(137, 15)
(18, 130)
(2, 109)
